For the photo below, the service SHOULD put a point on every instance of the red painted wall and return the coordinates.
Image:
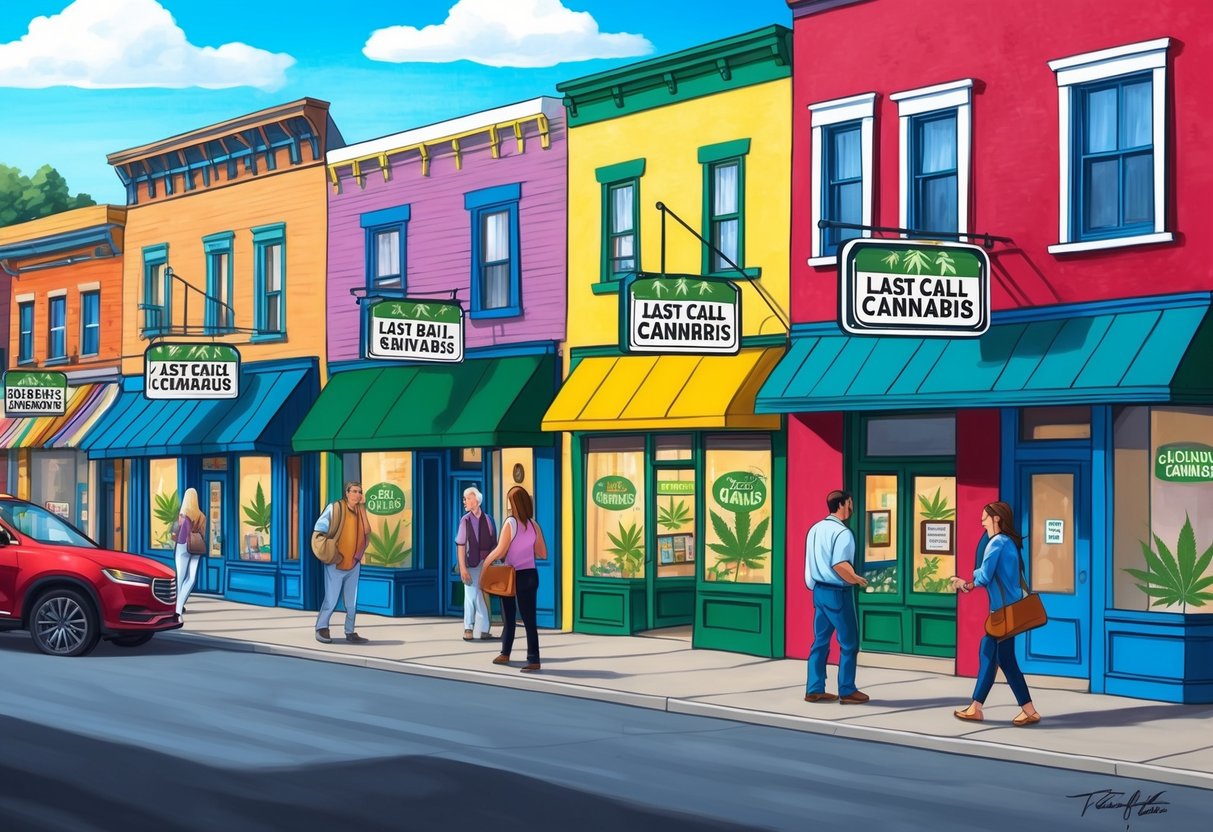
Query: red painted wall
(977, 472)
(887, 46)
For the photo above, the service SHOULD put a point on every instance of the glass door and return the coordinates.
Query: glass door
(210, 572)
(454, 502)
(671, 560)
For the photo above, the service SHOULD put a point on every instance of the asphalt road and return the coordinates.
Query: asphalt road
(172, 736)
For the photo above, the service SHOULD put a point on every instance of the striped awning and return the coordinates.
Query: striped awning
(86, 404)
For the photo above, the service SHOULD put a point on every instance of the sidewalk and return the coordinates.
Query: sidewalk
(1080, 731)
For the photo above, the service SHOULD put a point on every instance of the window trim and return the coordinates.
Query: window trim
(479, 203)
(22, 307)
(1103, 65)
(212, 244)
(608, 177)
(955, 95)
(374, 222)
(861, 108)
(53, 299)
(711, 157)
(154, 256)
(86, 293)
(265, 236)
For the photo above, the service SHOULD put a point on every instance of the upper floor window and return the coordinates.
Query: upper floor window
(724, 204)
(620, 218)
(90, 322)
(25, 343)
(496, 276)
(269, 280)
(842, 172)
(386, 248)
(157, 293)
(56, 344)
(219, 280)
(1112, 147)
(935, 149)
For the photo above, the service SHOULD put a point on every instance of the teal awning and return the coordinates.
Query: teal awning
(1145, 350)
(271, 404)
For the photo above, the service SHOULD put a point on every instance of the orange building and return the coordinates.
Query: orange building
(63, 313)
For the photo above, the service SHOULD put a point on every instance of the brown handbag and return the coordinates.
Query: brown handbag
(498, 579)
(324, 546)
(1027, 613)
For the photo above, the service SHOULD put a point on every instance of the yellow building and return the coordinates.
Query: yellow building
(672, 518)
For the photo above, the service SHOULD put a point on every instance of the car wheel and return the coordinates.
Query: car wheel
(64, 623)
(133, 639)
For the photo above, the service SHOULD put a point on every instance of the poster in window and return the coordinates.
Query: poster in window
(936, 537)
(665, 548)
(878, 529)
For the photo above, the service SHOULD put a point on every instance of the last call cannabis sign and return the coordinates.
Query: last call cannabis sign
(914, 287)
(34, 393)
(680, 314)
(413, 330)
(191, 371)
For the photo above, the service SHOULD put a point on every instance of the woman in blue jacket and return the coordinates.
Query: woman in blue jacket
(999, 574)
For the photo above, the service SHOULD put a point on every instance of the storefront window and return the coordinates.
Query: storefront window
(1052, 533)
(737, 472)
(255, 508)
(675, 514)
(511, 467)
(55, 477)
(928, 435)
(671, 447)
(1037, 423)
(387, 483)
(1163, 525)
(934, 534)
(165, 501)
(880, 533)
(614, 507)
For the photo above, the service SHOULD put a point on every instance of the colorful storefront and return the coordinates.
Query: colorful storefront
(449, 235)
(223, 272)
(672, 490)
(1083, 401)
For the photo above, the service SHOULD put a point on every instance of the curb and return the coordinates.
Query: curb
(690, 707)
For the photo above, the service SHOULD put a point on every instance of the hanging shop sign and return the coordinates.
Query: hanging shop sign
(34, 393)
(385, 499)
(1184, 462)
(740, 491)
(913, 287)
(614, 493)
(191, 371)
(416, 330)
(680, 313)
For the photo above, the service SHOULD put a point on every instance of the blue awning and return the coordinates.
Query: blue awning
(272, 403)
(1144, 350)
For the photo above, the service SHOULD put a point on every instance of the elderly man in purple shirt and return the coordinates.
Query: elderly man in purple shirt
(476, 537)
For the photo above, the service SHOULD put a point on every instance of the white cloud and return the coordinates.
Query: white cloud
(99, 44)
(515, 33)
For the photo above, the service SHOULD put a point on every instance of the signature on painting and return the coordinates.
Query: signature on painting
(1134, 806)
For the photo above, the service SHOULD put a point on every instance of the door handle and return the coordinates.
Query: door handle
(1082, 577)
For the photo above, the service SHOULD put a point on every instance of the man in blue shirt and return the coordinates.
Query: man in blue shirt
(829, 571)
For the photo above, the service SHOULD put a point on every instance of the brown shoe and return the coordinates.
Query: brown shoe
(467, 635)
(531, 668)
(856, 698)
(322, 636)
(488, 637)
(502, 659)
(820, 697)
(354, 638)
(1024, 720)
(968, 717)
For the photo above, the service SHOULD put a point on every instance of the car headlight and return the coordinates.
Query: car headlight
(131, 578)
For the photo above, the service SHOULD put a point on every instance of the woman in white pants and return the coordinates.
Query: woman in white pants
(190, 520)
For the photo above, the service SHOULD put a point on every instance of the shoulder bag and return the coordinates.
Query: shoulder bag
(196, 545)
(1027, 613)
(498, 579)
(324, 546)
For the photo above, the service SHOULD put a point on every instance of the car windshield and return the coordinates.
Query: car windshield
(42, 525)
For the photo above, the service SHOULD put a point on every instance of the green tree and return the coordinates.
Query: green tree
(24, 198)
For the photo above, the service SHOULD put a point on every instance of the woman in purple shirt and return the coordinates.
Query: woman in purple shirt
(520, 543)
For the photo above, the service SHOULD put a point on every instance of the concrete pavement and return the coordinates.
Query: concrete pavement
(1113, 735)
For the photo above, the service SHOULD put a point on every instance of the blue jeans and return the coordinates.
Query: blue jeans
(834, 612)
(996, 654)
(526, 590)
(339, 585)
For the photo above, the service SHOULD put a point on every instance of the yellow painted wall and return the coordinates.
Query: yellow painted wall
(297, 198)
(669, 138)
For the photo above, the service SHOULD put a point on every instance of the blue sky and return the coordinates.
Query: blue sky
(92, 80)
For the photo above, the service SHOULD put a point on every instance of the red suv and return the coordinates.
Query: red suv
(69, 592)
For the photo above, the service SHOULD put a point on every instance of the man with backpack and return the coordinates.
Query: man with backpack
(339, 541)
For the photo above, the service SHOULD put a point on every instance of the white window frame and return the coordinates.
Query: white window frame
(955, 95)
(861, 108)
(1099, 66)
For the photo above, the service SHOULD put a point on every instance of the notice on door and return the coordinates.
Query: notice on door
(1055, 531)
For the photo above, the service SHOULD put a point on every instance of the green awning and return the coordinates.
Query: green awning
(486, 401)
(1144, 350)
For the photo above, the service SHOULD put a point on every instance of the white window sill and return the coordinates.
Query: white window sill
(1114, 242)
(831, 260)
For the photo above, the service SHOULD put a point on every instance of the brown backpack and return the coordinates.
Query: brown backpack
(324, 546)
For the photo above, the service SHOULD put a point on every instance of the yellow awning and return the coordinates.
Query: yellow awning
(667, 392)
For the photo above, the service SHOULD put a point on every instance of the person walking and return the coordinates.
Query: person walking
(999, 574)
(341, 578)
(475, 539)
(829, 571)
(190, 521)
(521, 542)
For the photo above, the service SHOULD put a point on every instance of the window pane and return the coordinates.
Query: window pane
(387, 256)
(1131, 504)
(848, 207)
(1137, 116)
(1052, 510)
(724, 236)
(912, 436)
(937, 204)
(667, 447)
(391, 541)
(273, 313)
(846, 162)
(623, 253)
(273, 268)
(1101, 120)
(496, 242)
(1139, 189)
(737, 476)
(255, 508)
(724, 187)
(1054, 423)
(938, 152)
(878, 535)
(1103, 192)
(675, 512)
(58, 310)
(156, 287)
(614, 508)
(933, 537)
(495, 292)
(165, 502)
(621, 211)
